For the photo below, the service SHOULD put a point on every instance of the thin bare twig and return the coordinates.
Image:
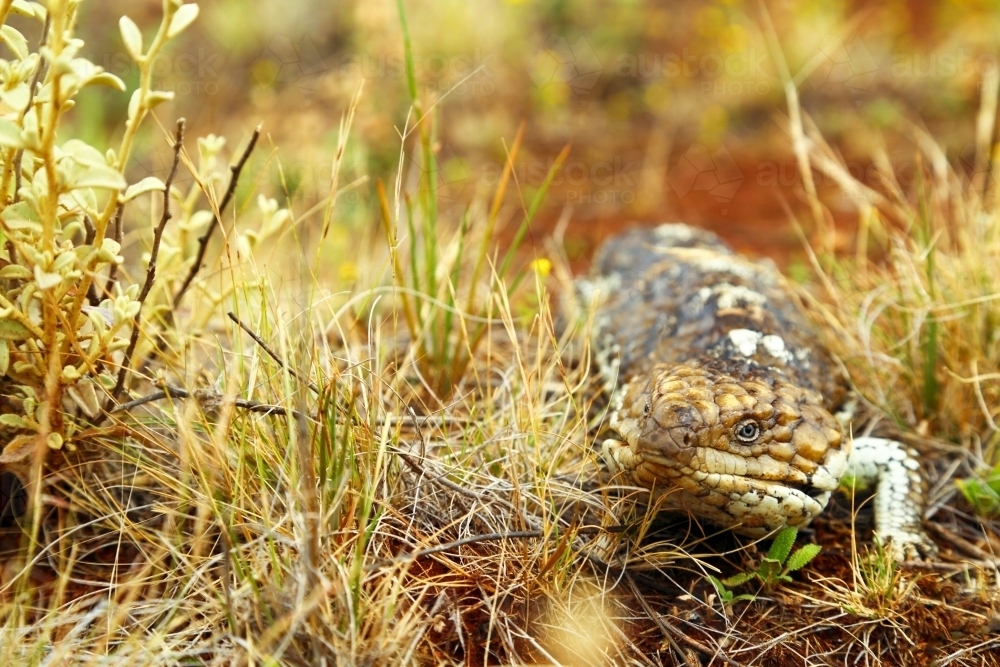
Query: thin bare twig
(206, 396)
(90, 231)
(119, 237)
(274, 355)
(207, 236)
(151, 267)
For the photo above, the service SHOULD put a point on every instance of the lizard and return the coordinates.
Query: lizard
(727, 405)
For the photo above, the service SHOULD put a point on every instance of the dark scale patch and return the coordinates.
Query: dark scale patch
(680, 295)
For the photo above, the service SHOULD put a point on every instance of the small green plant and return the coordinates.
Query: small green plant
(775, 568)
(983, 493)
(726, 596)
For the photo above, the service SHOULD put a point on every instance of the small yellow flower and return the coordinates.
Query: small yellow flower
(348, 272)
(542, 266)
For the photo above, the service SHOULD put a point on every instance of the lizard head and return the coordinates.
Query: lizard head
(730, 443)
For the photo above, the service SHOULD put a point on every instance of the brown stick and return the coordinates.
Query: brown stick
(206, 396)
(206, 237)
(151, 267)
(119, 237)
(274, 355)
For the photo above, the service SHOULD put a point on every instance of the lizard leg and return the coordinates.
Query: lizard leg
(894, 471)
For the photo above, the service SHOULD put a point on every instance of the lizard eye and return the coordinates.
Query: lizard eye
(747, 430)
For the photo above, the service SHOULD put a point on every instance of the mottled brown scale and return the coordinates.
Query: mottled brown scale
(658, 311)
(701, 344)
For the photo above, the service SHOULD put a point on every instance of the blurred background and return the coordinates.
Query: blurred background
(674, 110)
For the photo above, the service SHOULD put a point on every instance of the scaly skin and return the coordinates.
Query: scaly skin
(727, 409)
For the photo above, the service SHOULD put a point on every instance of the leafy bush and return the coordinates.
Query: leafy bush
(67, 322)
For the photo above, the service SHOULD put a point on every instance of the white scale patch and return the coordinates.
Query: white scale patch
(674, 232)
(775, 346)
(729, 296)
(746, 341)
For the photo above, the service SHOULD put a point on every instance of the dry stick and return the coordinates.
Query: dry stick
(119, 237)
(217, 222)
(151, 267)
(203, 395)
(669, 631)
(274, 355)
(90, 233)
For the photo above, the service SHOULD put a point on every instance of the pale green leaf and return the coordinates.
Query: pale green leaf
(768, 570)
(131, 37)
(95, 176)
(4, 357)
(15, 41)
(109, 250)
(157, 97)
(106, 79)
(133, 104)
(182, 19)
(148, 184)
(10, 134)
(12, 420)
(802, 556)
(11, 329)
(54, 440)
(782, 545)
(21, 216)
(45, 280)
(15, 272)
(16, 97)
(738, 579)
(83, 152)
(30, 9)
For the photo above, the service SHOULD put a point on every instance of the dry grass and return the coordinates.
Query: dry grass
(425, 488)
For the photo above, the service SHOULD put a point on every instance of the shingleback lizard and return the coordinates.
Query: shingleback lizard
(727, 405)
